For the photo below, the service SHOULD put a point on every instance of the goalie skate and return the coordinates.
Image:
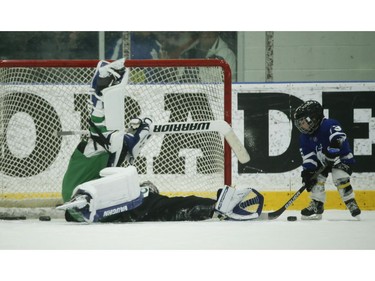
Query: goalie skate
(78, 202)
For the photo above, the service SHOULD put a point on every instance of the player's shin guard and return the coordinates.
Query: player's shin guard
(347, 195)
(341, 178)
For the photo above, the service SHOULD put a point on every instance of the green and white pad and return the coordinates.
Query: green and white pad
(118, 191)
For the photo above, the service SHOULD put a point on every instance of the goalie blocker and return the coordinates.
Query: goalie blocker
(118, 196)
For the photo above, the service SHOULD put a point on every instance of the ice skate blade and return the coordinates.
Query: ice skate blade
(78, 203)
(315, 217)
(358, 217)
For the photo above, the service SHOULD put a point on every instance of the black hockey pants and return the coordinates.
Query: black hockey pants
(157, 207)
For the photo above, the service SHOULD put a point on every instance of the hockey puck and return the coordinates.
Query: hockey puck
(44, 218)
(292, 218)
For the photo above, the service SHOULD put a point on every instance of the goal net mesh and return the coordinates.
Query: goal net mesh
(40, 98)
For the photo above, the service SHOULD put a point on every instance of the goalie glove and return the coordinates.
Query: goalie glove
(236, 204)
(126, 146)
(136, 137)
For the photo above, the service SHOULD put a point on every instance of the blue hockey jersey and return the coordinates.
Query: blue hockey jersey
(314, 147)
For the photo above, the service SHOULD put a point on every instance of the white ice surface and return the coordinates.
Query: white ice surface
(337, 231)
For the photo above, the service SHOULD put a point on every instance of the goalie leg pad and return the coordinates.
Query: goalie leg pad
(114, 110)
(117, 192)
(233, 205)
(108, 88)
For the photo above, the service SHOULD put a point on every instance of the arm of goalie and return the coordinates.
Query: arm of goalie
(237, 204)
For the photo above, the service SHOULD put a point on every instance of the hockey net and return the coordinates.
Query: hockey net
(40, 98)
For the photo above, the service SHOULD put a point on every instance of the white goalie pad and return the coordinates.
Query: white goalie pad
(233, 204)
(118, 191)
(113, 99)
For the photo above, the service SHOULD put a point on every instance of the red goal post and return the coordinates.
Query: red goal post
(40, 97)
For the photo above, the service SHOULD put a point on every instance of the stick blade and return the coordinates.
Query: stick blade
(234, 142)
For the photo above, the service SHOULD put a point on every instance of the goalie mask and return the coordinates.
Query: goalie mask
(308, 117)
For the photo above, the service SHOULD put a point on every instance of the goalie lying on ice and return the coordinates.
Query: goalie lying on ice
(118, 197)
(96, 189)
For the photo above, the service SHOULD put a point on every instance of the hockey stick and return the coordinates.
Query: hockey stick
(277, 213)
(192, 127)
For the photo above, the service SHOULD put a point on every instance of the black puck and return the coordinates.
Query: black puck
(44, 218)
(292, 218)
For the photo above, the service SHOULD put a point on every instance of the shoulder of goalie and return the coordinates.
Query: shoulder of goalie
(233, 203)
(117, 191)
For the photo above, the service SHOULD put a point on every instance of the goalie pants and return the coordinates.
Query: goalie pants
(157, 207)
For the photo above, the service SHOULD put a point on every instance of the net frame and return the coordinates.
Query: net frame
(144, 63)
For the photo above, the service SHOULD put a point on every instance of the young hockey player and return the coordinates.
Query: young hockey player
(324, 143)
(96, 189)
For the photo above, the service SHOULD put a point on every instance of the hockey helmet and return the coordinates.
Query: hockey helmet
(308, 116)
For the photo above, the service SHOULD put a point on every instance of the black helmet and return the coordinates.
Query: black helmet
(308, 116)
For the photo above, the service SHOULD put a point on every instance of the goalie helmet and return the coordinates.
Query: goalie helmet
(308, 116)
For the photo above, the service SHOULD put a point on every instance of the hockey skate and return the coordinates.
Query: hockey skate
(76, 208)
(314, 211)
(352, 206)
(78, 202)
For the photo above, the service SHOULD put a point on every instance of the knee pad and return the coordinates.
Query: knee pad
(340, 175)
(341, 178)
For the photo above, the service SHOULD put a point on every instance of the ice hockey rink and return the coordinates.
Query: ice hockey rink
(222, 250)
(336, 231)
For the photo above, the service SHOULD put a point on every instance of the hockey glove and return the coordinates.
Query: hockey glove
(136, 137)
(309, 179)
